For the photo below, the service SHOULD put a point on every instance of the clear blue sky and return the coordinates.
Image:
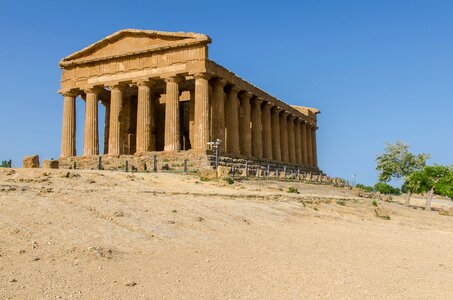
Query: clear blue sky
(379, 71)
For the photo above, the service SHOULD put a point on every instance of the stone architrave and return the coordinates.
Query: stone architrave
(232, 124)
(291, 139)
(267, 131)
(276, 142)
(257, 133)
(298, 137)
(145, 113)
(116, 142)
(218, 110)
(91, 133)
(245, 133)
(201, 122)
(68, 132)
(284, 136)
(172, 126)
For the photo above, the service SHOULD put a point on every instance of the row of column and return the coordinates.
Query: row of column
(248, 125)
(256, 128)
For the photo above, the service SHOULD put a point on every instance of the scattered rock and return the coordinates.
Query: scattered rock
(118, 214)
(171, 222)
(35, 259)
(446, 211)
(50, 164)
(165, 167)
(208, 173)
(132, 283)
(223, 171)
(200, 219)
(13, 280)
(31, 161)
(382, 213)
(21, 251)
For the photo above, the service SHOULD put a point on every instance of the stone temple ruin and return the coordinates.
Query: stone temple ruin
(163, 96)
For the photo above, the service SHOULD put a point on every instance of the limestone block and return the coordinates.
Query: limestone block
(223, 171)
(208, 173)
(446, 211)
(50, 164)
(31, 161)
(382, 212)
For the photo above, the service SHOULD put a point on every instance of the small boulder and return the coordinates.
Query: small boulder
(208, 173)
(382, 213)
(444, 211)
(31, 161)
(50, 164)
(223, 171)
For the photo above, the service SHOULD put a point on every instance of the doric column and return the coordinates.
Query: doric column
(172, 133)
(284, 136)
(91, 134)
(257, 132)
(201, 122)
(106, 104)
(291, 139)
(218, 109)
(267, 131)
(232, 124)
(192, 118)
(68, 132)
(276, 143)
(303, 129)
(314, 148)
(145, 113)
(245, 134)
(298, 137)
(116, 142)
(309, 145)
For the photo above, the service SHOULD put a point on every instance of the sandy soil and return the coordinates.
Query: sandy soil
(105, 235)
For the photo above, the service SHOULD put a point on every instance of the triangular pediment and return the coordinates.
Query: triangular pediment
(133, 41)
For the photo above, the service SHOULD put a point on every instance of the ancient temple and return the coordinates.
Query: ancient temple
(161, 92)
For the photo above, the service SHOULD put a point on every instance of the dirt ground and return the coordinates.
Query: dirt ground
(107, 235)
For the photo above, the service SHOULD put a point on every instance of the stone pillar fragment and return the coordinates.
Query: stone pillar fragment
(284, 136)
(298, 138)
(232, 124)
(91, 133)
(291, 139)
(68, 132)
(202, 120)
(303, 130)
(267, 131)
(309, 145)
(218, 110)
(314, 147)
(145, 114)
(245, 133)
(276, 142)
(257, 133)
(172, 126)
(116, 143)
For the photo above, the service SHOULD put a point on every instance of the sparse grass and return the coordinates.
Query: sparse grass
(204, 178)
(374, 203)
(165, 160)
(229, 180)
(174, 211)
(341, 202)
(292, 189)
(385, 218)
(316, 208)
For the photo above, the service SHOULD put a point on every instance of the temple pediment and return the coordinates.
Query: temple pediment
(132, 42)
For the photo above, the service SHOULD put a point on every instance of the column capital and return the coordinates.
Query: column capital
(173, 78)
(145, 82)
(258, 101)
(68, 93)
(234, 89)
(268, 105)
(285, 114)
(118, 86)
(93, 90)
(299, 120)
(246, 95)
(291, 117)
(276, 109)
(220, 82)
(202, 76)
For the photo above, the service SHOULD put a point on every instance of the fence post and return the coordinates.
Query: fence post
(246, 169)
(100, 163)
(74, 166)
(298, 174)
(185, 166)
(155, 163)
(284, 172)
(268, 171)
(127, 166)
(232, 171)
(276, 173)
(258, 173)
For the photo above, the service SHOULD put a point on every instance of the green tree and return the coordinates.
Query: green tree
(397, 162)
(432, 180)
(385, 188)
(5, 164)
(365, 188)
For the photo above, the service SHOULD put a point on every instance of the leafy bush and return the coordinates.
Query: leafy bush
(374, 203)
(5, 164)
(204, 178)
(292, 189)
(387, 189)
(365, 188)
(229, 180)
(341, 202)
